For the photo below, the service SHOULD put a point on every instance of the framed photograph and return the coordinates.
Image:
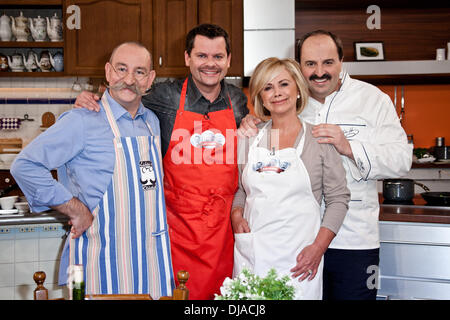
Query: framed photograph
(365, 51)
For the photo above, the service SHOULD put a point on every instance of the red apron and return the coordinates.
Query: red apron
(200, 181)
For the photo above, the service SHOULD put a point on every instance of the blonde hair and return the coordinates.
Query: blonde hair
(268, 69)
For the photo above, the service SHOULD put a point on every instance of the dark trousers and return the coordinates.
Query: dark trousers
(350, 274)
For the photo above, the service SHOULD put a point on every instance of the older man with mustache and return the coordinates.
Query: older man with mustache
(118, 218)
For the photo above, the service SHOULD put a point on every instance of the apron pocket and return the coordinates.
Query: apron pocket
(244, 254)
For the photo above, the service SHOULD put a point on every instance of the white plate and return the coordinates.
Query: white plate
(9, 211)
(426, 160)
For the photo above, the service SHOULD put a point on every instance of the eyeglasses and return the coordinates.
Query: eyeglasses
(122, 71)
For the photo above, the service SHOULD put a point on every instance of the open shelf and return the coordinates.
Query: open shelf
(31, 44)
(408, 72)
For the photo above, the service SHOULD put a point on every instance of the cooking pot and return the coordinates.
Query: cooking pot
(437, 198)
(400, 190)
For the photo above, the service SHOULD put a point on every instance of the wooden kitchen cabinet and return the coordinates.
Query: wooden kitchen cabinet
(31, 9)
(104, 25)
(172, 20)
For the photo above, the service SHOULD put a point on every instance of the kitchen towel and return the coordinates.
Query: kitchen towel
(9, 123)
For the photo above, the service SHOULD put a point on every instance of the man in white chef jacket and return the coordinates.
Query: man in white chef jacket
(361, 122)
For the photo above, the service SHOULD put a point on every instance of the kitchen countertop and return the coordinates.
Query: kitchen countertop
(388, 212)
(419, 212)
(431, 165)
(33, 218)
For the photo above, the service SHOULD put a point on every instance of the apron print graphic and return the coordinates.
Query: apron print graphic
(208, 140)
(148, 178)
(273, 165)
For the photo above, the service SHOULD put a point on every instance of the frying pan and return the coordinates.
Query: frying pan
(437, 198)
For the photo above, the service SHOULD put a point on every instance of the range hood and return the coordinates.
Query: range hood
(269, 31)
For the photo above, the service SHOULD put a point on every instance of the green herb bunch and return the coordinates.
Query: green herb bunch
(248, 286)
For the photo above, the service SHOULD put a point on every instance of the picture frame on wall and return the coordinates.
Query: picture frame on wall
(369, 51)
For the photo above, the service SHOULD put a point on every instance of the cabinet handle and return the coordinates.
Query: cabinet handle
(160, 61)
(7, 180)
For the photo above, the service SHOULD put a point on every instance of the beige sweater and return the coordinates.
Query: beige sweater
(325, 169)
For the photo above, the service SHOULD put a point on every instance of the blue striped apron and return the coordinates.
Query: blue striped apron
(127, 249)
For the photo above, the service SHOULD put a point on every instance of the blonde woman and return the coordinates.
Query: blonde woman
(284, 175)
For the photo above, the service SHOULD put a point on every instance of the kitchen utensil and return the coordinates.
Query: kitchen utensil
(44, 62)
(48, 119)
(7, 203)
(437, 198)
(402, 105)
(38, 28)
(22, 207)
(20, 28)
(400, 190)
(440, 141)
(15, 62)
(54, 28)
(442, 153)
(440, 54)
(12, 143)
(5, 28)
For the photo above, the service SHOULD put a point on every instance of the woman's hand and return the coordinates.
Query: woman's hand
(87, 100)
(238, 223)
(308, 260)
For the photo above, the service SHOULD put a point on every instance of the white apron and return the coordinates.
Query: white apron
(282, 213)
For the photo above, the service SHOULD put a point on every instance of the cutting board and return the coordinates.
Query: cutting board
(10, 145)
(48, 119)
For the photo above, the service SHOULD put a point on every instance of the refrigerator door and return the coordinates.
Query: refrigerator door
(262, 44)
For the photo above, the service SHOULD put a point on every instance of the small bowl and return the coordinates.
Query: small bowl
(22, 206)
(7, 203)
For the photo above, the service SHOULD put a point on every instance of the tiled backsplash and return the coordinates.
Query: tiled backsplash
(25, 249)
(34, 97)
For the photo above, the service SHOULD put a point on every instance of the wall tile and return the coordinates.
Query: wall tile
(50, 249)
(26, 250)
(51, 269)
(7, 293)
(6, 274)
(24, 291)
(23, 272)
(6, 251)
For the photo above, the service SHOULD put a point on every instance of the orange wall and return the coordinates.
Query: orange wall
(427, 111)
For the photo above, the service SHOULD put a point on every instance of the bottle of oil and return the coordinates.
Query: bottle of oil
(78, 282)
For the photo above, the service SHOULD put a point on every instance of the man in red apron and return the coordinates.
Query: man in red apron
(201, 171)
(198, 118)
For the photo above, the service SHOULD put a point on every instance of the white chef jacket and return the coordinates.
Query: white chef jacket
(380, 148)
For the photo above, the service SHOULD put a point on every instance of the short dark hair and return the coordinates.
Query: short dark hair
(335, 38)
(208, 30)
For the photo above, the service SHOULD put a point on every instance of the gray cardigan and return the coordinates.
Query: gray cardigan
(325, 169)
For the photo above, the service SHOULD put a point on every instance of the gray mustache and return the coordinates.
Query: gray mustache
(122, 85)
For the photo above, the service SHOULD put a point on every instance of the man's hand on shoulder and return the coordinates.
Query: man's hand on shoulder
(87, 100)
(248, 126)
